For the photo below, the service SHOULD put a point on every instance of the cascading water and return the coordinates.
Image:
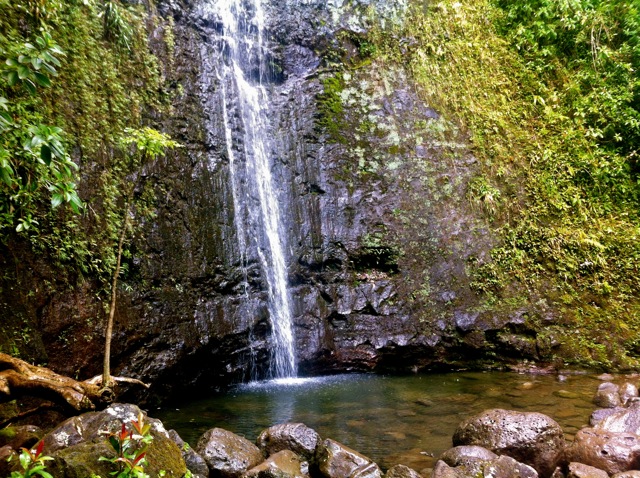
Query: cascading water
(243, 75)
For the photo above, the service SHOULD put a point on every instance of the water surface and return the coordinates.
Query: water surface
(408, 420)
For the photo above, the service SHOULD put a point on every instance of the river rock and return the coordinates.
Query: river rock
(625, 420)
(612, 452)
(195, 463)
(463, 455)
(607, 395)
(336, 460)
(499, 467)
(402, 471)
(78, 443)
(628, 393)
(580, 470)
(600, 414)
(227, 454)
(296, 437)
(531, 438)
(283, 464)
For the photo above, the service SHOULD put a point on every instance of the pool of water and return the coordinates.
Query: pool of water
(408, 420)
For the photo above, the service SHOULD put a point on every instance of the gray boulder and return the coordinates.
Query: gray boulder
(623, 420)
(195, 463)
(402, 471)
(464, 455)
(77, 444)
(600, 414)
(339, 461)
(228, 455)
(580, 470)
(628, 393)
(528, 437)
(612, 452)
(296, 437)
(607, 395)
(499, 467)
(283, 464)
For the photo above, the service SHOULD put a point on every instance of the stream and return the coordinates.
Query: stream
(407, 419)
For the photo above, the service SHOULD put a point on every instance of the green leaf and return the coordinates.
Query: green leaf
(45, 154)
(56, 200)
(23, 72)
(42, 80)
(30, 86)
(12, 78)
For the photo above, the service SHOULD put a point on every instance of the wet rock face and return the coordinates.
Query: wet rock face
(380, 237)
(283, 464)
(498, 467)
(227, 454)
(529, 437)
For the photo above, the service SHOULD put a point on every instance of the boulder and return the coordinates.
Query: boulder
(195, 463)
(336, 460)
(531, 438)
(296, 437)
(612, 452)
(607, 395)
(628, 393)
(600, 414)
(580, 470)
(283, 464)
(506, 467)
(463, 455)
(623, 420)
(78, 443)
(499, 467)
(227, 454)
(442, 470)
(402, 471)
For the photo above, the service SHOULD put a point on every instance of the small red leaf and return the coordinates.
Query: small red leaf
(39, 449)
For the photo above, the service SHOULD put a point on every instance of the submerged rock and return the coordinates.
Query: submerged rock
(228, 455)
(529, 437)
(296, 437)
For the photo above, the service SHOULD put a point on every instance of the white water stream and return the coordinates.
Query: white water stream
(243, 75)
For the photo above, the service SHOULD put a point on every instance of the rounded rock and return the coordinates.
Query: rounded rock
(296, 437)
(463, 455)
(612, 452)
(607, 395)
(228, 455)
(531, 438)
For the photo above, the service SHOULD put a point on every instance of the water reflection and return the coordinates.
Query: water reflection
(392, 420)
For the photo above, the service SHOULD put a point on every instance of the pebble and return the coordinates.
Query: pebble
(566, 394)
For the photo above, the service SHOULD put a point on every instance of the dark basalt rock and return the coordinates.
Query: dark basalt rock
(402, 471)
(529, 437)
(283, 464)
(296, 437)
(612, 452)
(228, 455)
(607, 395)
(77, 444)
(338, 461)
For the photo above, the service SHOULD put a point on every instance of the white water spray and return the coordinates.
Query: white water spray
(242, 74)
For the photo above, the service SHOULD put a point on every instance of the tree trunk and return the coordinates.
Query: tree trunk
(107, 381)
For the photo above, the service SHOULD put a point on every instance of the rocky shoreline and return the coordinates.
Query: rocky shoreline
(496, 443)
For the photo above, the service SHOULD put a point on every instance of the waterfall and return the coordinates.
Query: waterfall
(244, 77)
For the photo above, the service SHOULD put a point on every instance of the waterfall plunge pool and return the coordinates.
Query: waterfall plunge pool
(393, 420)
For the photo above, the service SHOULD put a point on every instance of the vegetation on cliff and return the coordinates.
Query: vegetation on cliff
(75, 75)
(548, 94)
